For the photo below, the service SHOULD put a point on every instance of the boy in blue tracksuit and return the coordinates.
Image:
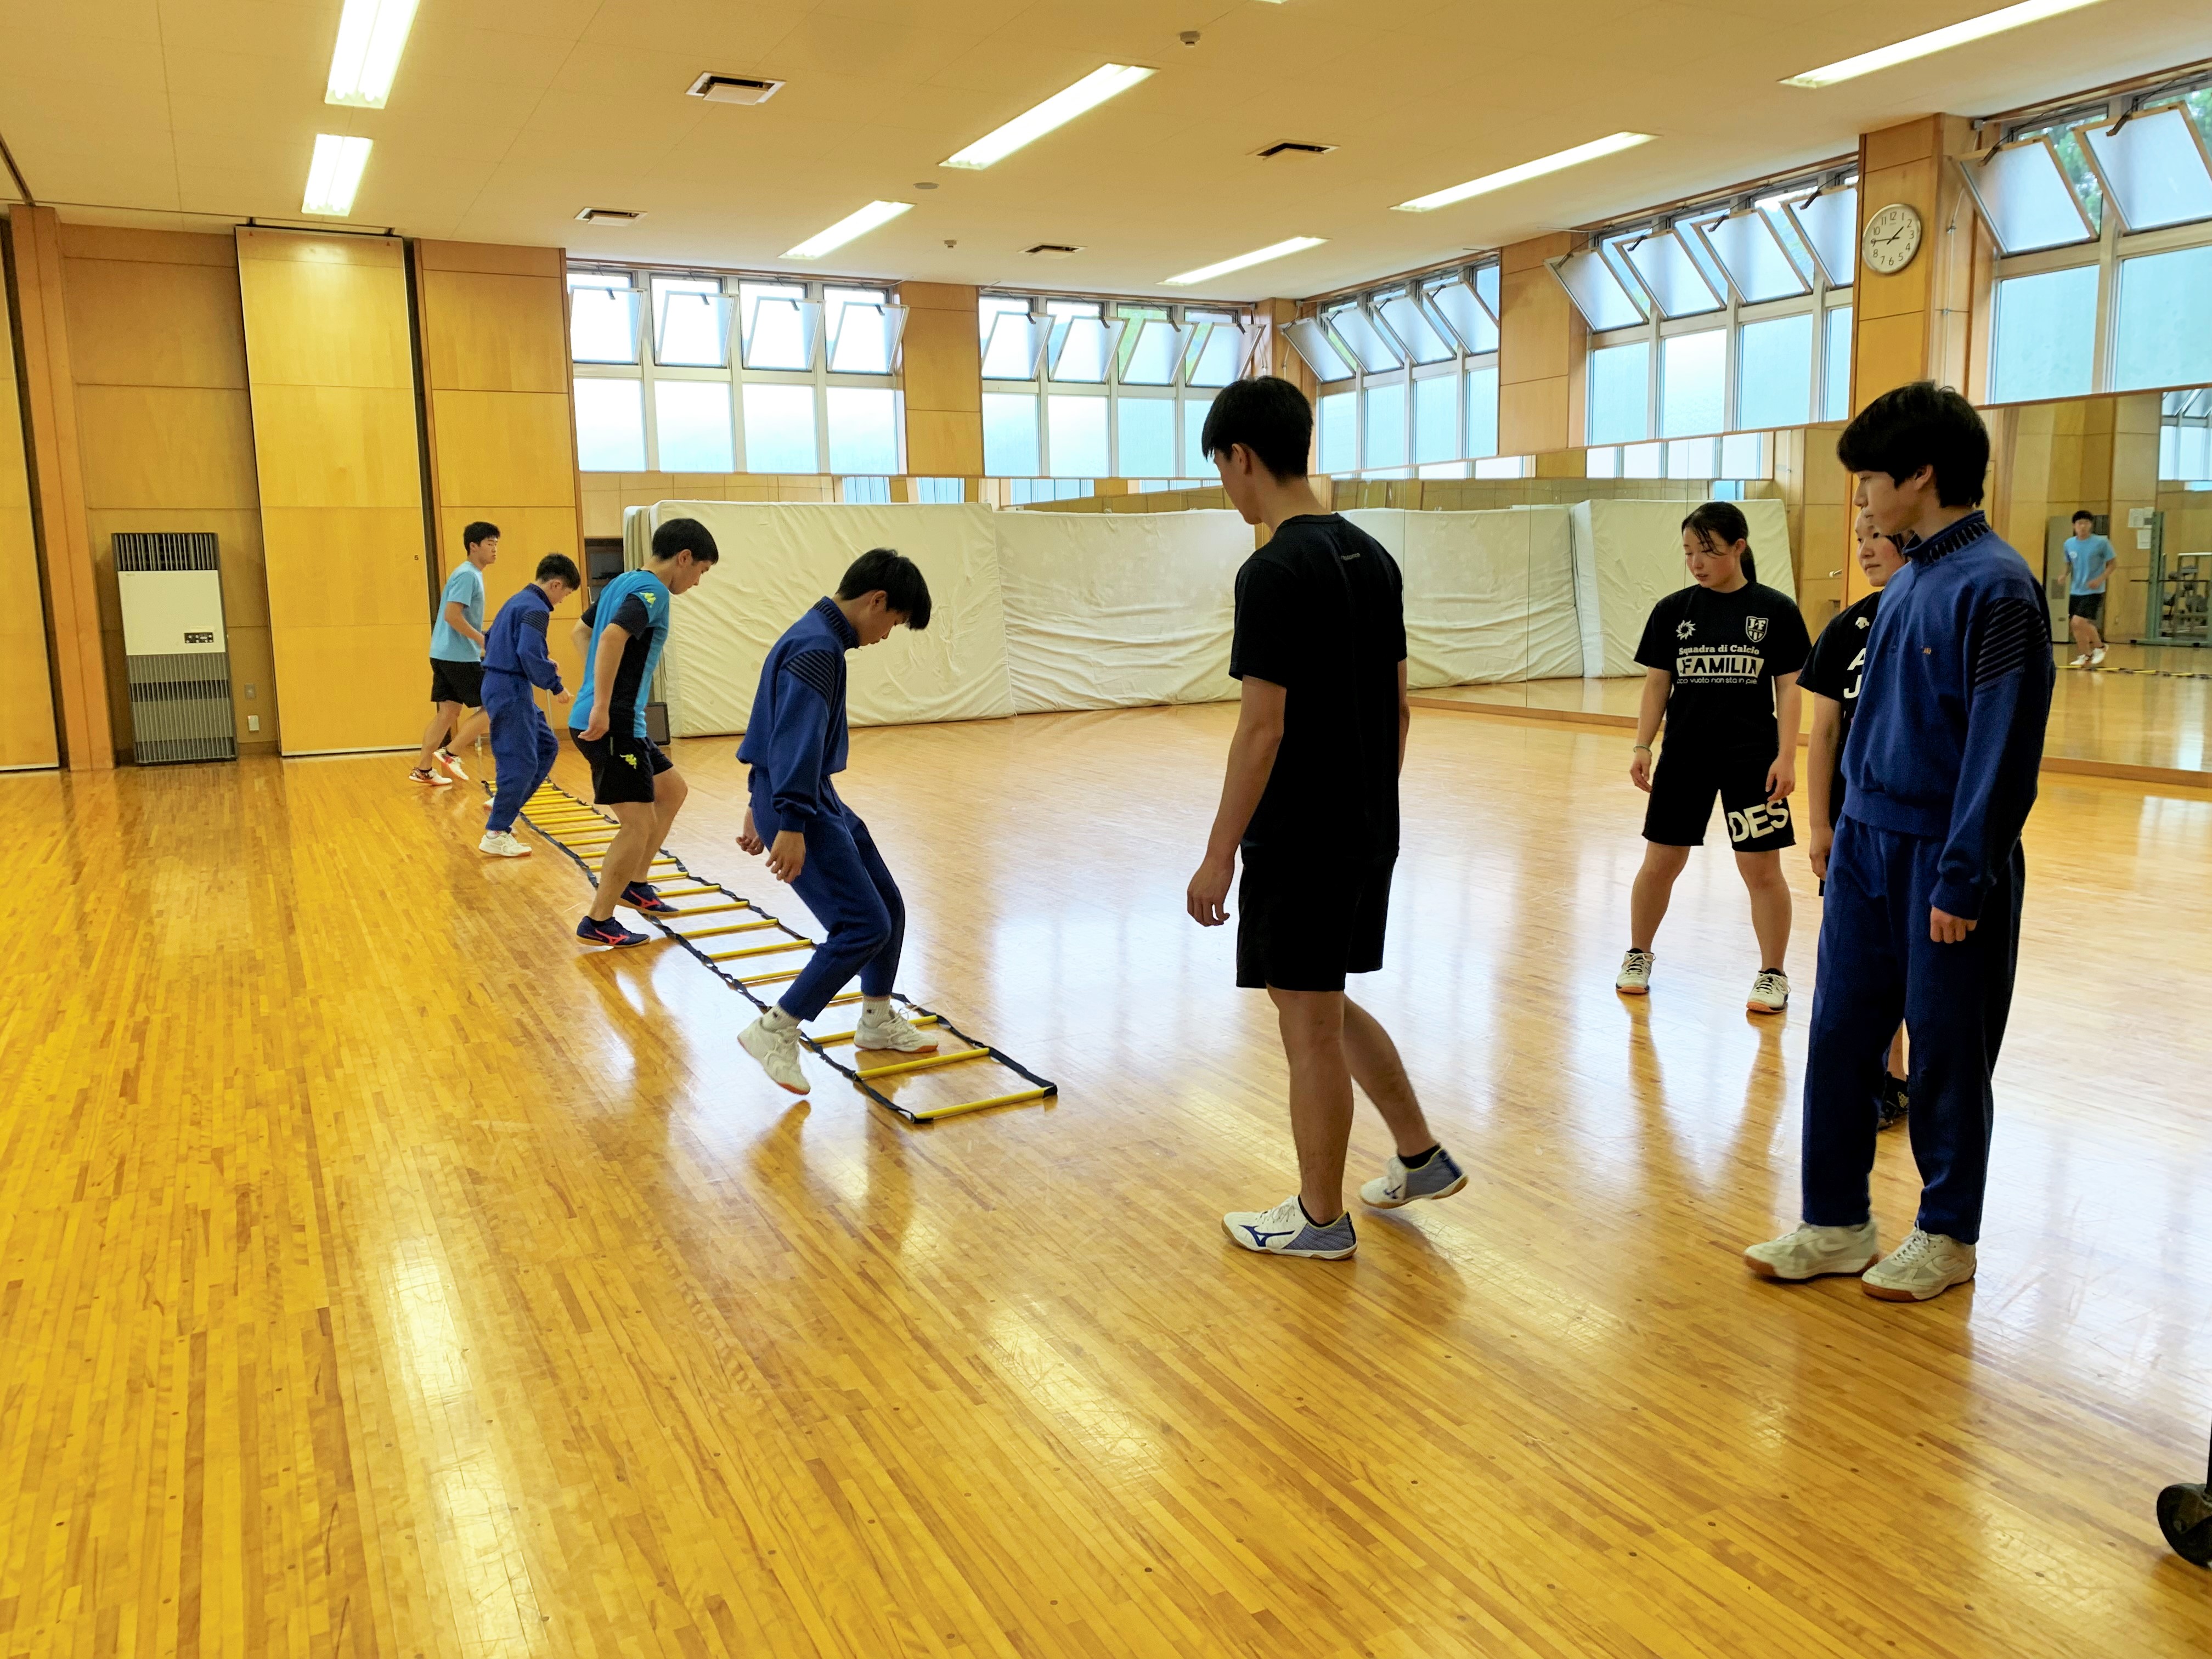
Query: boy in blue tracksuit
(795, 743)
(515, 660)
(1925, 874)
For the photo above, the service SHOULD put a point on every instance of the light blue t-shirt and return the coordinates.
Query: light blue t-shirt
(637, 600)
(465, 588)
(2087, 556)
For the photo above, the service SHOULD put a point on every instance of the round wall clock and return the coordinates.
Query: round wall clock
(1892, 237)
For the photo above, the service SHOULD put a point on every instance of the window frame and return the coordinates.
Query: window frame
(1401, 379)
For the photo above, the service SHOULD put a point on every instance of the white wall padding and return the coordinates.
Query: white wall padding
(778, 559)
(1627, 555)
(1116, 610)
(1489, 596)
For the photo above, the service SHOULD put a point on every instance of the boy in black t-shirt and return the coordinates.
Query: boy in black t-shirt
(1311, 799)
(1721, 661)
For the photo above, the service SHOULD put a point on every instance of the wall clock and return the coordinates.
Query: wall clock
(1892, 237)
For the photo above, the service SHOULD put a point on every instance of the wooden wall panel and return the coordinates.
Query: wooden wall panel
(942, 371)
(26, 737)
(1542, 350)
(330, 355)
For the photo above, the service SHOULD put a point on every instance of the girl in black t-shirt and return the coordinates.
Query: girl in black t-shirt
(1721, 660)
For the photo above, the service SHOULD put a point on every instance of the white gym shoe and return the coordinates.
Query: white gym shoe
(1925, 1265)
(423, 774)
(452, 767)
(892, 1031)
(2081, 661)
(1810, 1252)
(1635, 975)
(1440, 1177)
(1770, 992)
(777, 1051)
(503, 843)
(2096, 656)
(1284, 1230)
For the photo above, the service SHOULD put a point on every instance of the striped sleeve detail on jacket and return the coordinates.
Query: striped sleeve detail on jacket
(2012, 631)
(822, 672)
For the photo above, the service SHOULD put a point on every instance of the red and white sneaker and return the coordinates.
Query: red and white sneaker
(423, 774)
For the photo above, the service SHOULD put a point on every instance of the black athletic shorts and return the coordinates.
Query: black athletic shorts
(1301, 926)
(456, 681)
(2089, 606)
(1683, 786)
(623, 767)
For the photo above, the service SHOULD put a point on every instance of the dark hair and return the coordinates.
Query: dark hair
(2082, 514)
(559, 567)
(1724, 520)
(897, 577)
(478, 532)
(1269, 416)
(685, 536)
(1919, 425)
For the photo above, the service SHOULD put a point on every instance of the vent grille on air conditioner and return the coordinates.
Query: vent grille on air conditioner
(734, 89)
(174, 648)
(1292, 149)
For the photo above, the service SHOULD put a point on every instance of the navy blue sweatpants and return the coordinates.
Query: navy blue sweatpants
(844, 883)
(523, 746)
(1877, 965)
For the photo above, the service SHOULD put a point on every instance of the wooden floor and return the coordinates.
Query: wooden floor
(380, 1274)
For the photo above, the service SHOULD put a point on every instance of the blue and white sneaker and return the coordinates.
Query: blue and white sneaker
(1284, 1230)
(1397, 1185)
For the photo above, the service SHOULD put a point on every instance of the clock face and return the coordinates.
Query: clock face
(1893, 237)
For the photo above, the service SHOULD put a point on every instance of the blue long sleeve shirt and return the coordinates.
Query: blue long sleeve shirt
(1952, 707)
(797, 734)
(516, 641)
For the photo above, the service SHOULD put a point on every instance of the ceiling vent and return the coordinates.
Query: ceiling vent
(608, 216)
(734, 89)
(1292, 149)
(1052, 250)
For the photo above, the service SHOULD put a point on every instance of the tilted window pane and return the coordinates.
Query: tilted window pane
(2044, 335)
(2026, 198)
(1384, 411)
(1323, 355)
(1145, 427)
(2166, 325)
(1195, 463)
(1753, 257)
(1830, 225)
(863, 429)
(777, 325)
(1214, 357)
(1082, 347)
(1457, 307)
(1010, 434)
(691, 323)
(1153, 357)
(1011, 349)
(1076, 427)
(2156, 168)
(1691, 386)
(691, 426)
(1482, 411)
(1409, 325)
(1338, 414)
(863, 335)
(779, 430)
(603, 325)
(1488, 283)
(1366, 342)
(1774, 373)
(1597, 292)
(1435, 418)
(1672, 275)
(1619, 393)
(1835, 373)
(610, 426)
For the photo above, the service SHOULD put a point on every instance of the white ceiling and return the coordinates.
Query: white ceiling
(510, 115)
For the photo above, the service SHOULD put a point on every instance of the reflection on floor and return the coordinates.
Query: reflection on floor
(382, 1275)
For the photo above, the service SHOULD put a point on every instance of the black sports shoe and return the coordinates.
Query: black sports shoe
(1891, 1104)
(609, 932)
(640, 895)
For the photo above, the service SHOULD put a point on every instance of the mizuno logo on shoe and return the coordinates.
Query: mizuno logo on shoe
(1261, 1238)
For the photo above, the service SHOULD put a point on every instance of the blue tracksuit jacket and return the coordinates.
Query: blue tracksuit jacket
(796, 735)
(515, 643)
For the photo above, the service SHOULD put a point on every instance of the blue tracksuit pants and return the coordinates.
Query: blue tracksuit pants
(522, 745)
(852, 895)
(1877, 965)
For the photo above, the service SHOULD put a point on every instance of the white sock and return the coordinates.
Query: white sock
(875, 1007)
(777, 1020)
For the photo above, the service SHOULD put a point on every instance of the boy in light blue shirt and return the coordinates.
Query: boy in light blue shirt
(456, 637)
(2089, 559)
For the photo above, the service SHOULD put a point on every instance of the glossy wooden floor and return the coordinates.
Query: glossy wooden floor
(381, 1275)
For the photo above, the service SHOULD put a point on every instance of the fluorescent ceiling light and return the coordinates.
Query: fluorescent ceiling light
(371, 33)
(335, 174)
(852, 225)
(1536, 169)
(1093, 90)
(1257, 256)
(1955, 34)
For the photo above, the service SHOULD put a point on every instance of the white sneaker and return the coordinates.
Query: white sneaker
(1634, 978)
(1811, 1252)
(2080, 661)
(777, 1051)
(892, 1031)
(452, 767)
(2096, 656)
(1925, 1265)
(1770, 992)
(424, 775)
(503, 843)
(1284, 1230)
(1440, 1177)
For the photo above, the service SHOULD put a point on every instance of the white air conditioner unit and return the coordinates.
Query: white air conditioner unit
(174, 646)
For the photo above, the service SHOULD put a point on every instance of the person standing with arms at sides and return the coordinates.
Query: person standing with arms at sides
(795, 744)
(515, 660)
(1311, 800)
(621, 637)
(1926, 876)
(1720, 671)
(1832, 680)
(2089, 559)
(456, 662)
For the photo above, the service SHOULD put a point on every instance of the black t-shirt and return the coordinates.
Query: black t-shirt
(1838, 659)
(1724, 650)
(1321, 611)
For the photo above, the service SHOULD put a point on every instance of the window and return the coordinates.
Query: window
(1216, 353)
(1503, 466)
(1010, 434)
(1619, 393)
(1418, 369)
(690, 322)
(1195, 463)
(2044, 335)
(691, 419)
(2165, 334)
(780, 428)
(779, 325)
(863, 330)
(1774, 372)
(939, 492)
(1836, 381)
(1076, 431)
(1693, 382)
(1482, 411)
(2027, 198)
(1383, 409)
(1743, 455)
(1147, 435)
(864, 430)
(870, 491)
(1692, 458)
(1338, 413)
(1435, 418)
(603, 316)
(610, 426)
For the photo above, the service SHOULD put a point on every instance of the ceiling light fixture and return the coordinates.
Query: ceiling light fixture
(1610, 145)
(852, 225)
(334, 175)
(1257, 256)
(1954, 34)
(371, 33)
(1063, 106)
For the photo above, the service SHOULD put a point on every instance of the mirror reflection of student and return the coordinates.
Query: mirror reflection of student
(2089, 561)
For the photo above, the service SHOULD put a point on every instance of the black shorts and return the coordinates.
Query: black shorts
(622, 768)
(1302, 925)
(456, 681)
(2090, 607)
(1683, 786)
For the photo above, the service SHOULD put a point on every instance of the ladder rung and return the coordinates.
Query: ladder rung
(686, 892)
(925, 1063)
(760, 949)
(706, 909)
(771, 979)
(927, 1113)
(730, 927)
(661, 860)
(835, 1037)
